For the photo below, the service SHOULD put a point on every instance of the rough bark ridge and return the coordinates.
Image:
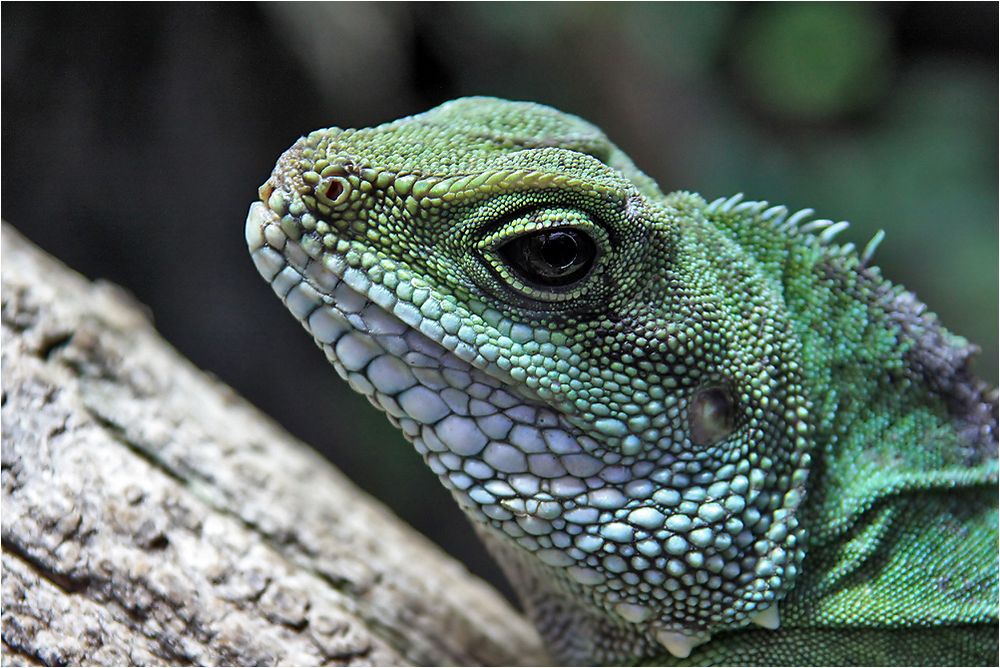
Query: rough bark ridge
(152, 516)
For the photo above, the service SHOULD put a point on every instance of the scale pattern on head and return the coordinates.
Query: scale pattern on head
(598, 374)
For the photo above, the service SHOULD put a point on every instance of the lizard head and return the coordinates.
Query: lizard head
(601, 379)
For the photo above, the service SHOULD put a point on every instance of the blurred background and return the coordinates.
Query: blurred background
(134, 137)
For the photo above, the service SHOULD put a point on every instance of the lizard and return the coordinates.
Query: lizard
(690, 432)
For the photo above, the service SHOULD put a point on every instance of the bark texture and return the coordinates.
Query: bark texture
(152, 516)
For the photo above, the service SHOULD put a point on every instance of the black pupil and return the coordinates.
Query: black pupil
(558, 249)
(552, 258)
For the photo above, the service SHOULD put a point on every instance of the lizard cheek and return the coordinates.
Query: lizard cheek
(711, 415)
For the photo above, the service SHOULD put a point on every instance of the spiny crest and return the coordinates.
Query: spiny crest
(820, 231)
(940, 357)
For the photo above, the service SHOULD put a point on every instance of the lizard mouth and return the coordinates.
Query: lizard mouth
(472, 428)
(335, 304)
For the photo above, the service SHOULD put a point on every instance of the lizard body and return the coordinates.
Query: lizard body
(687, 426)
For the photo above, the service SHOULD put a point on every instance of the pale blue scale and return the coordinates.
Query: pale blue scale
(567, 487)
(646, 517)
(582, 515)
(391, 376)
(349, 300)
(460, 480)
(615, 564)
(327, 325)
(478, 469)
(588, 543)
(268, 262)
(560, 442)
(582, 465)
(460, 435)
(495, 426)
(505, 458)
(380, 322)
(423, 405)
(457, 401)
(546, 465)
(527, 439)
(355, 350)
(607, 498)
(499, 488)
(286, 279)
(618, 532)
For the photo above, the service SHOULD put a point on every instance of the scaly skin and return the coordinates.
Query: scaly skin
(668, 419)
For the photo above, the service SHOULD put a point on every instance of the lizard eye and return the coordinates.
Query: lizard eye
(550, 257)
(549, 254)
(711, 415)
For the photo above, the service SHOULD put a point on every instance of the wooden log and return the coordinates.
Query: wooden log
(152, 516)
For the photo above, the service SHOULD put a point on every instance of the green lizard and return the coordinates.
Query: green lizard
(687, 426)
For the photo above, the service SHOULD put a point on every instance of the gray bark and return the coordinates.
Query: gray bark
(152, 516)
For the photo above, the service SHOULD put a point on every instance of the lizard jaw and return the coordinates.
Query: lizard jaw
(494, 453)
(498, 439)
(338, 310)
(511, 494)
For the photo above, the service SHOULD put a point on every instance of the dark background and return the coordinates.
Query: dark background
(135, 136)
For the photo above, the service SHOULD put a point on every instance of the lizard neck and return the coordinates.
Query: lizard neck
(574, 634)
(891, 388)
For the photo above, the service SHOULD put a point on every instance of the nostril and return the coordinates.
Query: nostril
(334, 189)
